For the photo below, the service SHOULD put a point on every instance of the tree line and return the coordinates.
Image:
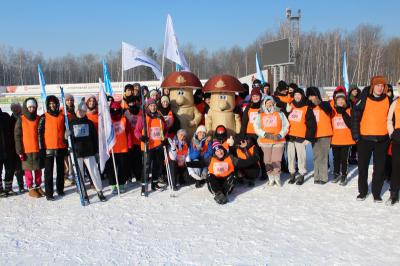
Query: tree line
(318, 61)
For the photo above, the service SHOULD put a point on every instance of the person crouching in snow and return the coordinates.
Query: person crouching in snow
(120, 149)
(271, 127)
(341, 140)
(245, 151)
(221, 171)
(199, 153)
(178, 154)
(27, 146)
(84, 135)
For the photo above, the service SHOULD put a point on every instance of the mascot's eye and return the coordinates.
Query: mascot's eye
(181, 92)
(223, 97)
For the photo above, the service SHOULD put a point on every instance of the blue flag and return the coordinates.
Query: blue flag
(345, 75)
(259, 74)
(42, 84)
(107, 82)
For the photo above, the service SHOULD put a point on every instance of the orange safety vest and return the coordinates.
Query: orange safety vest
(220, 168)
(297, 120)
(30, 141)
(95, 120)
(54, 131)
(121, 138)
(374, 119)
(253, 112)
(272, 124)
(341, 133)
(324, 126)
(285, 99)
(181, 155)
(154, 131)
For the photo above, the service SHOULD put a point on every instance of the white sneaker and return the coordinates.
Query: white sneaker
(278, 180)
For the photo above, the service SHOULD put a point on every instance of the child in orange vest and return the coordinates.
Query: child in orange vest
(341, 139)
(178, 155)
(121, 128)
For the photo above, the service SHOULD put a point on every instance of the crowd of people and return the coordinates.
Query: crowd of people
(275, 129)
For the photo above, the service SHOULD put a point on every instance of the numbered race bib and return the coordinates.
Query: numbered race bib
(81, 130)
(181, 160)
(338, 123)
(316, 114)
(220, 168)
(296, 115)
(155, 133)
(270, 121)
(119, 127)
(252, 117)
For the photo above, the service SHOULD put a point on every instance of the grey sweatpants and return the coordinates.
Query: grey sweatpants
(272, 158)
(321, 152)
(299, 148)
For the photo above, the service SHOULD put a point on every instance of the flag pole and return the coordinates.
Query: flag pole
(163, 60)
(115, 172)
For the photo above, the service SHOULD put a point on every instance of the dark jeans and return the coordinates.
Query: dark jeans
(48, 173)
(340, 156)
(366, 149)
(395, 180)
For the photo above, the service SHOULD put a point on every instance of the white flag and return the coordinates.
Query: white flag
(171, 47)
(106, 130)
(133, 57)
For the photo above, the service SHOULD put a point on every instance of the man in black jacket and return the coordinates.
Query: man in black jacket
(369, 130)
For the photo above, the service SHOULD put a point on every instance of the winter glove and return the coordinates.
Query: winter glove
(340, 110)
(144, 138)
(22, 157)
(230, 141)
(67, 133)
(172, 144)
(268, 135)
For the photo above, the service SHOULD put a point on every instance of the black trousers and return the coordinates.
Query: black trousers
(179, 175)
(220, 185)
(154, 163)
(340, 157)
(395, 180)
(121, 162)
(254, 138)
(8, 175)
(353, 152)
(48, 173)
(366, 149)
(135, 162)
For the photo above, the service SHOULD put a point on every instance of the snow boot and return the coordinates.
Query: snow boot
(33, 193)
(300, 180)
(377, 199)
(40, 191)
(278, 180)
(343, 180)
(336, 177)
(271, 180)
(361, 197)
(199, 183)
(11, 193)
(50, 198)
(292, 179)
(101, 196)
(394, 198)
(220, 198)
(156, 187)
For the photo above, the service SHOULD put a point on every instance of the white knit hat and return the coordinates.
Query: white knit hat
(30, 103)
(201, 128)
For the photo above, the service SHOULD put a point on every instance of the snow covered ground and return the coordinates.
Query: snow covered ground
(291, 225)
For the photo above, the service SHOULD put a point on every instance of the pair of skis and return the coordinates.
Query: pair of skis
(80, 184)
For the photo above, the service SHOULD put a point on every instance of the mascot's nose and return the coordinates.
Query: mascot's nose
(223, 105)
(180, 100)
